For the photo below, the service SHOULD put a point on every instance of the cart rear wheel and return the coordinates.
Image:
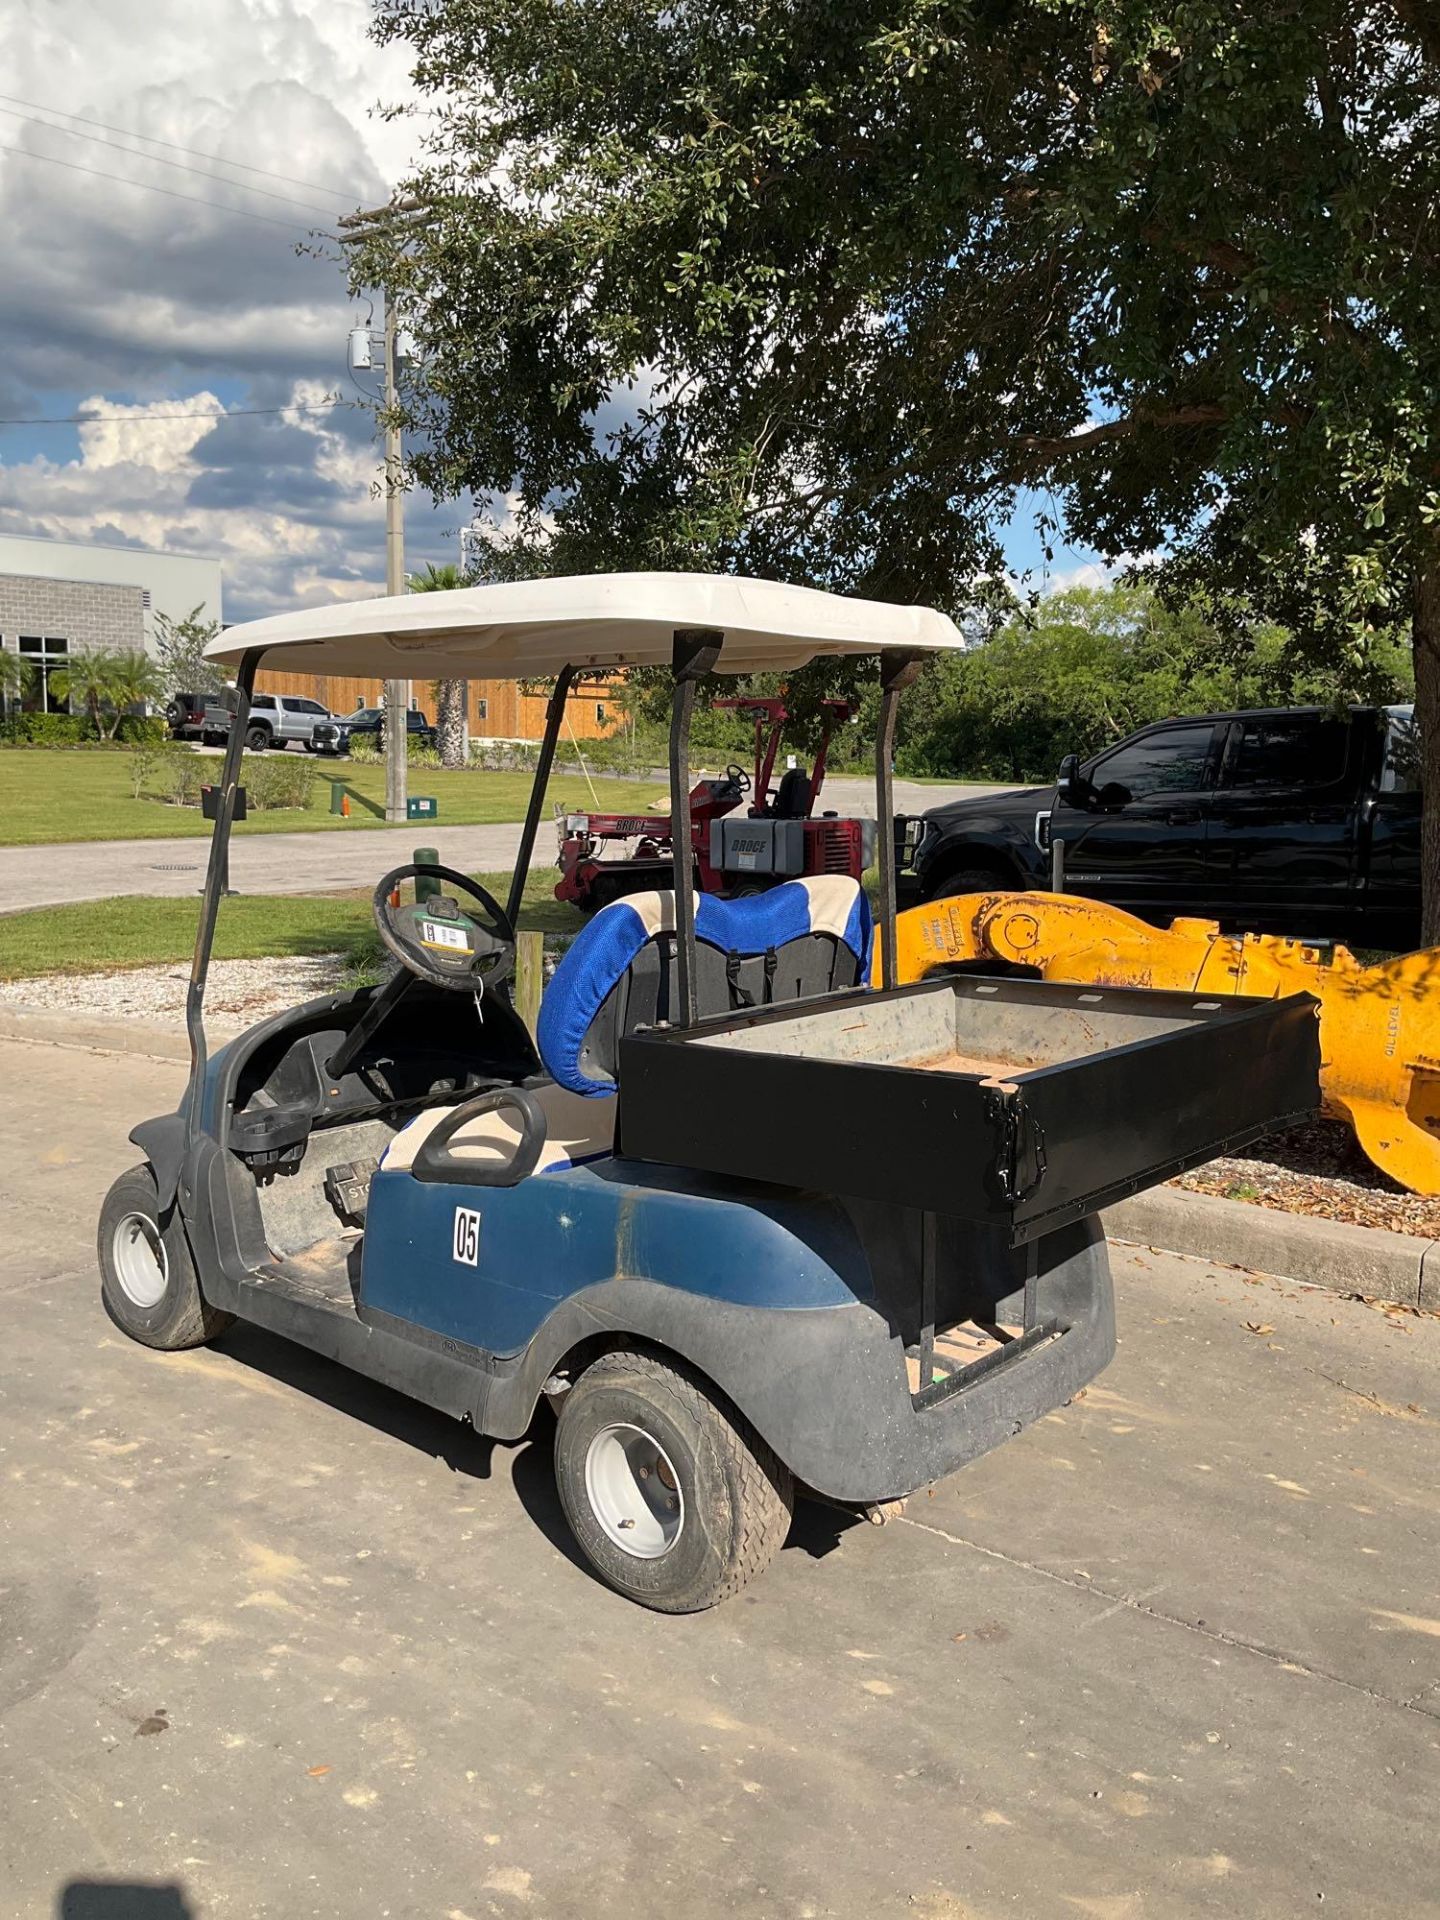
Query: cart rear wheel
(147, 1277)
(675, 1501)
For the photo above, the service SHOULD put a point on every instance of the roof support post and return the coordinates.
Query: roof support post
(554, 719)
(897, 671)
(215, 875)
(696, 650)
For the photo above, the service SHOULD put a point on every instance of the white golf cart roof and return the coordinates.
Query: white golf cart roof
(533, 628)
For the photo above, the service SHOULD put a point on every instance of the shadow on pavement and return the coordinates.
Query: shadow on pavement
(383, 1408)
(123, 1900)
(817, 1529)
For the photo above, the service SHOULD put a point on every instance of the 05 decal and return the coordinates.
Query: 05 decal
(466, 1243)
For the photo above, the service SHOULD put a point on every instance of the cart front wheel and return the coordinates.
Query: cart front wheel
(677, 1503)
(147, 1277)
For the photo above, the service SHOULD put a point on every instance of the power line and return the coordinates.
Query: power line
(175, 147)
(146, 186)
(158, 160)
(144, 419)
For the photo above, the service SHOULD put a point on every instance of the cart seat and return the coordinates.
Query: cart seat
(793, 942)
(576, 1130)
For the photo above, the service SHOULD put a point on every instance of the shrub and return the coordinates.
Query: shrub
(419, 755)
(274, 783)
(144, 765)
(503, 756)
(179, 776)
(364, 749)
(47, 730)
(76, 730)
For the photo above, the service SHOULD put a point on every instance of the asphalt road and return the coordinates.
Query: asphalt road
(273, 1641)
(324, 862)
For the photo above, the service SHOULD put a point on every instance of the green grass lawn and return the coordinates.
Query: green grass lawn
(133, 931)
(53, 795)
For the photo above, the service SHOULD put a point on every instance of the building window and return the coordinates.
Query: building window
(599, 713)
(482, 709)
(48, 654)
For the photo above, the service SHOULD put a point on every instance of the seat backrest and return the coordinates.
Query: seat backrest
(792, 796)
(792, 942)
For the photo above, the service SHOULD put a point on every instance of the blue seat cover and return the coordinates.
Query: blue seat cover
(754, 924)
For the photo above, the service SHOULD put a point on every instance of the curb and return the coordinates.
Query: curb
(1321, 1253)
(98, 1032)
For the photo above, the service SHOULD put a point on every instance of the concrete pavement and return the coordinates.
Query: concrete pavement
(259, 863)
(275, 1641)
(319, 862)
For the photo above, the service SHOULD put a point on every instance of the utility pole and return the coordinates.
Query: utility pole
(356, 227)
(397, 692)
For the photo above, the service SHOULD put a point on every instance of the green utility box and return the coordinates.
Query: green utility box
(421, 807)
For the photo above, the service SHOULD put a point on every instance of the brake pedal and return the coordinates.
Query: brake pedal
(347, 1188)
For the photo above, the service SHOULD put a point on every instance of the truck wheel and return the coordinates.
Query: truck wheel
(257, 738)
(970, 880)
(676, 1502)
(147, 1277)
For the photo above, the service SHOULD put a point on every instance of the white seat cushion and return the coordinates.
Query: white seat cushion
(576, 1129)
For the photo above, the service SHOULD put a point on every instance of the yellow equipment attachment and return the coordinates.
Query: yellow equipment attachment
(1379, 1026)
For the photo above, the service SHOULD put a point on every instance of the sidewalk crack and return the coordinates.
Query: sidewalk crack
(1138, 1603)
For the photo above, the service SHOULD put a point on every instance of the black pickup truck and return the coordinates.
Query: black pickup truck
(1295, 821)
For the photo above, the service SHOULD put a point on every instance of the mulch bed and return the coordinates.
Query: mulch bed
(1318, 1169)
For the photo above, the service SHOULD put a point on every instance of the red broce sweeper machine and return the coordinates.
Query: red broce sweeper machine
(777, 838)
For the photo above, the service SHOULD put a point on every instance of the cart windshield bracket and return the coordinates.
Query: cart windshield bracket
(215, 884)
(696, 650)
(554, 717)
(897, 671)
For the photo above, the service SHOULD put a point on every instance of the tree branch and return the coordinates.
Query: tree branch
(1419, 19)
(1200, 415)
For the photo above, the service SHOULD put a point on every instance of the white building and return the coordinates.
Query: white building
(59, 597)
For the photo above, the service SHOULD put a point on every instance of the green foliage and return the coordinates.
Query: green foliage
(47, 730)
(106, 681)
(179, 776)
(17, 675)
(179, 651)
(845, 284)
(144, 765)
(449, 694)
(1094, 664)
(365, 749)
(77, 730)
(277, 780)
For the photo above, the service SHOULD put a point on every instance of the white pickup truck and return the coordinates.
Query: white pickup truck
(276, 719)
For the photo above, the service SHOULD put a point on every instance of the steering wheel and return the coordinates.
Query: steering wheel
(437, 940)
(740, 777)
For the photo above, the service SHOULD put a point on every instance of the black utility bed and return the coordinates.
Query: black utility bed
(1016, 1102)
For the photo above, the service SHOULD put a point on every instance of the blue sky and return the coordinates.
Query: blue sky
(158, 166)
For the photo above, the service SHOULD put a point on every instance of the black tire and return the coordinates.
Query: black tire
(257, 738)
(734, 1497)
(212, 739)
(178, 1316)
(970, 880)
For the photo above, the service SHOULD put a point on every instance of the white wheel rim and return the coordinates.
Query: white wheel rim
(634, 1491)
(141, 1267)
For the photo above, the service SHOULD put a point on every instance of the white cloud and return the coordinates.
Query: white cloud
(287, 501)
(131, 304)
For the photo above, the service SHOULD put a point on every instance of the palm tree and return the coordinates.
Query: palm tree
(87, 677)
(105, 678)
(17, 676)
(137, 681)
(450, 695)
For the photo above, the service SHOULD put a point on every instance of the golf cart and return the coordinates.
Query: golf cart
(749, 1224)
(777, 837)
